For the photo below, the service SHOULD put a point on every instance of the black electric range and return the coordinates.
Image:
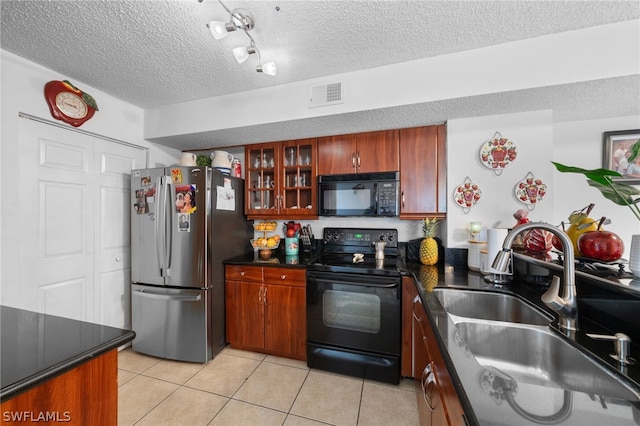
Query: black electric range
(354, 306)
(340, 246)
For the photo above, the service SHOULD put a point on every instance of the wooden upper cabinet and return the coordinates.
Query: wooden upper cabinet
(337, 155)
(281, 179)
(423, 172)
(359, 153)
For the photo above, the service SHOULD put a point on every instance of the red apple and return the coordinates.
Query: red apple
(601, 245)
(557, 243)
(291, 233)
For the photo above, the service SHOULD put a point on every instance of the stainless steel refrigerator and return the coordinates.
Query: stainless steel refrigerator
(185, 222)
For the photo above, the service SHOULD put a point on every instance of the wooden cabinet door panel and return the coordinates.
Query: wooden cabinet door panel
(285, 320)
(419, 165)
(245, 313)
(409, 292)
(378, 152)
(336, 154)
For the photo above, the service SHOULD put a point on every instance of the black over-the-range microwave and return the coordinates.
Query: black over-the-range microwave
(361, 194)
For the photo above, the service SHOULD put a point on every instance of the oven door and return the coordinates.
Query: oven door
(354, 311)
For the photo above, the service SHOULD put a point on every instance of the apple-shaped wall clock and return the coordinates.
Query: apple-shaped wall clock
(68, 103)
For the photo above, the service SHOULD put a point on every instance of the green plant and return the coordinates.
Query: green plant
(602, 179)
(203, 160)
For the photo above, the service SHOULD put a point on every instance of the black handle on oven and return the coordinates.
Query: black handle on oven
(362, 284)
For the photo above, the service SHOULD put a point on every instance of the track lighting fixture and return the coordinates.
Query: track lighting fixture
(240, 19)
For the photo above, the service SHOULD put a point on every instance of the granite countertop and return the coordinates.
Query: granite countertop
(484, 404)
(278, 258)
(35, 347)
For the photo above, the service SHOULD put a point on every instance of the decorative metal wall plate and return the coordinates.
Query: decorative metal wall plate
(530, 191)
(498, 153)
(467, 195)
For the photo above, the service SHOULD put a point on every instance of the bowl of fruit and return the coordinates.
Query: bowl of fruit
(267, 226)
(265, 245)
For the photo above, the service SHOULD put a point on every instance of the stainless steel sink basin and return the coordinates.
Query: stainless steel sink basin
(492, 306)
(537, 356)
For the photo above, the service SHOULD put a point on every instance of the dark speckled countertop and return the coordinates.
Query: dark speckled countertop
(484, 406)
(36, 347)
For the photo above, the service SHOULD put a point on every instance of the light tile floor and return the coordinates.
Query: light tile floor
(247, 388)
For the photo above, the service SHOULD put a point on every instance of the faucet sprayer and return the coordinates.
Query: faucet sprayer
(567, 305)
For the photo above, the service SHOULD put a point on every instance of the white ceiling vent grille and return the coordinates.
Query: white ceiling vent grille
(326, 94)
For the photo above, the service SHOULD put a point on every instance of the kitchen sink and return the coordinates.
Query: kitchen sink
(487, 305)
(535, 355)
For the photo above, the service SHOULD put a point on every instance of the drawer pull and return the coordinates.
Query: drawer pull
(283, 276)
(428, 380)
(242, 273)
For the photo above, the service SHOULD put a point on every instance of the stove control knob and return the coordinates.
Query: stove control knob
(391, 238)
(382, 238)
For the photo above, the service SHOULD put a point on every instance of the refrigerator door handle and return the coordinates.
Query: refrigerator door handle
(168, 229)
(164, 222)
(194, 298)
(158, 226)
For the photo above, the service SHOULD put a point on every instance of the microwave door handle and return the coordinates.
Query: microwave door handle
(375, 198)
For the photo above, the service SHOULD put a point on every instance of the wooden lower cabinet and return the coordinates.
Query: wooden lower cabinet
(85, 395)
(266, 310)
(438, 402)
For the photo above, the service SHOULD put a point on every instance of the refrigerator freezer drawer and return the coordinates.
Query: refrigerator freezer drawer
(171, 323)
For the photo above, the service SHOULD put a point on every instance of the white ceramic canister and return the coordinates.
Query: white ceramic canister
(188, 159)
(221, 159)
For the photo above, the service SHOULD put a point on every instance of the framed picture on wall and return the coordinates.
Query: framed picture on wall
(617, 148)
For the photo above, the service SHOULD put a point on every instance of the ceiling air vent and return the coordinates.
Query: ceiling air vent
(326, 94)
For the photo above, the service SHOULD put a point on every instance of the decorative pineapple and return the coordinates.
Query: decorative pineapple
(428, 276)
(429, 246)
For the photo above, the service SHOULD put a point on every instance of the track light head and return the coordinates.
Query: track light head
(242, 53)
(268, 68)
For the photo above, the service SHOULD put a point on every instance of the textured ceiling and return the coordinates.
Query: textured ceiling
(154, 53)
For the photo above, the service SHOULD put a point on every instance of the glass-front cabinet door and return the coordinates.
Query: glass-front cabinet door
(298, 185)
(281, 179)
(261, 165)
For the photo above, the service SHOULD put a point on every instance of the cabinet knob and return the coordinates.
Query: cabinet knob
(242, 273)
(118, 259)
(283, 277)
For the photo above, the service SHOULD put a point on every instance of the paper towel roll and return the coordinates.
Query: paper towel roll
(495, 238)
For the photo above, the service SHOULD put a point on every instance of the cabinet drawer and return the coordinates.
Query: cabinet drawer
(293, 277)
(244, 273)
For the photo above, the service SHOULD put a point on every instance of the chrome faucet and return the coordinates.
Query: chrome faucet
(567, 305)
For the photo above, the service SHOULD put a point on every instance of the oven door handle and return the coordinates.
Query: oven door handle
(362, 284)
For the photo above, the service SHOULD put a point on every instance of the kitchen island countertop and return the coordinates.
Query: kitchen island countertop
(36, 347)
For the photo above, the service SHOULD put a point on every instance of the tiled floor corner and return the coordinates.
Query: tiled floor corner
(246, 388)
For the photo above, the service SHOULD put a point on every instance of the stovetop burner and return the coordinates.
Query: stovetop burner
(340, 244)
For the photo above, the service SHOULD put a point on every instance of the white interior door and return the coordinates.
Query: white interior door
(72, 212)
(112, 282)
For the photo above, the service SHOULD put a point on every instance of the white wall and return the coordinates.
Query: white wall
(532, 134)
(580, 144)
(539, 142)
(22, 91)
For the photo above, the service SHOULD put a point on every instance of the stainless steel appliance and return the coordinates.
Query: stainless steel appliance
(354, 309)
(361, 194)
(185, 221)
